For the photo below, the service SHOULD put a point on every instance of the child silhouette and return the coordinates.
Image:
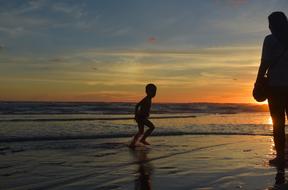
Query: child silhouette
(142, 110)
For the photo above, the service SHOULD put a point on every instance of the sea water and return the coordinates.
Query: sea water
(37, 121)
(84, 146)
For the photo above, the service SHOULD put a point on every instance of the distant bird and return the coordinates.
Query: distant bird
(151, 39)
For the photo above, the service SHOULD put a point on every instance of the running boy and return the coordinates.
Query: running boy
(142, 111)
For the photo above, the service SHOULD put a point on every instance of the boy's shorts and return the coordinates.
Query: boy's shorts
(140, 118)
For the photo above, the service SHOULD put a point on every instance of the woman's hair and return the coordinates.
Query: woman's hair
(278, 25)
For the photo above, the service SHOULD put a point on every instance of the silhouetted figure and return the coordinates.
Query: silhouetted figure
(280, 182)
(280, 176)
(274, 63)
(142, 111)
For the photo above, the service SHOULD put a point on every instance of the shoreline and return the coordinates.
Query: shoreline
(174, 162)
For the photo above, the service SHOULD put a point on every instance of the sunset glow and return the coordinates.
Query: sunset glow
(100, 51)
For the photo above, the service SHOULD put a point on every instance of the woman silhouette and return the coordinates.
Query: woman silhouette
(274, 63)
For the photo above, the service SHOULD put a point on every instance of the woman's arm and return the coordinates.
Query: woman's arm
(264, 65)
(266, 59)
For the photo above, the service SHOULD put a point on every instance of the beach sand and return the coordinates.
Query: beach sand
(171, 162)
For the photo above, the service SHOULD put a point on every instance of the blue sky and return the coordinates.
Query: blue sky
(52, 25)
(107, 50)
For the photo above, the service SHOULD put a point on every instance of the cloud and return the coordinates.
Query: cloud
(22, 8)
(12, 31)
(31, 17)
(76, 10)
(27, 7)
(213, 54)
(120, 31)
(194, 71)
(232, 2)
(2, 47)
(18, 25)
(239, 2)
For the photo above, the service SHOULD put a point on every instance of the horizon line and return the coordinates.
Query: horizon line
(57, 101)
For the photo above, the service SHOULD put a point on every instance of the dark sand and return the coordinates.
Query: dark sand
(171, 163)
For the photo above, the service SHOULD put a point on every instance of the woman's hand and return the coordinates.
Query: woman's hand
(261, 81)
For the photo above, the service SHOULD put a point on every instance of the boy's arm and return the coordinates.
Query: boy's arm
(137, 107)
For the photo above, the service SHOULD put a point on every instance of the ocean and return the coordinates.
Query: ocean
(52, 145)
(37, 121)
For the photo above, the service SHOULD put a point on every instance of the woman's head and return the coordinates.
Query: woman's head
(278, 25)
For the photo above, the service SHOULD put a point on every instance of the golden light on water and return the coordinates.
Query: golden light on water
(270, 120)
(266, 120)
(272, 147)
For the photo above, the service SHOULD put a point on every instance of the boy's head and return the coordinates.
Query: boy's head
(151, 90)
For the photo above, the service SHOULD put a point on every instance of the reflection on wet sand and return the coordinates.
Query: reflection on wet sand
(144, 170)
(280, 179)
(280, 182)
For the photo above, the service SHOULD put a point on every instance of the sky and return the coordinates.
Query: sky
(108, 50)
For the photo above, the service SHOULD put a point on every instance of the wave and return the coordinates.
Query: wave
(123, 135)
(101, 108)
(92, 119)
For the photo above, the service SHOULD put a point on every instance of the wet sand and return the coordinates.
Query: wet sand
(174, 162)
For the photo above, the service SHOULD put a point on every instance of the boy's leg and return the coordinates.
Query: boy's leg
(148, 132)
(139, 133)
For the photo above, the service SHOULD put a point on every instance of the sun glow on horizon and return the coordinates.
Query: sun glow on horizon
(195, 51)
(198, 75)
